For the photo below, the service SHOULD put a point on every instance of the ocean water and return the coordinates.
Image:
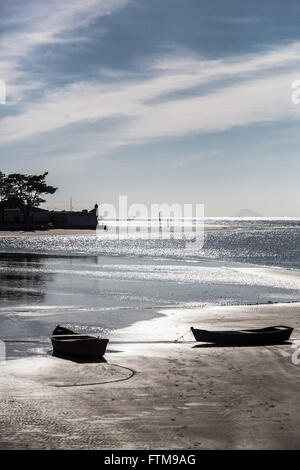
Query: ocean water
(102, 285)
(267, 241)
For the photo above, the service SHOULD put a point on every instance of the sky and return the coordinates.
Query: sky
(165, 101)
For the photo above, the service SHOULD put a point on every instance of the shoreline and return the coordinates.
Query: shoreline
(190, 395)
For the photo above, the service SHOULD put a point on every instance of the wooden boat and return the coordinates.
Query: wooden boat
(65, 341)
(251, 337)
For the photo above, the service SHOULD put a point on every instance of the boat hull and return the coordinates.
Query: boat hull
(81, 347)
(254, 337)
(67, 342)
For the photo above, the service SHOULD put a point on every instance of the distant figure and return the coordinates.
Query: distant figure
(95, 211)
(94, 214)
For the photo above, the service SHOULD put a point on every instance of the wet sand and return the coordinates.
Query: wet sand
(180, 396)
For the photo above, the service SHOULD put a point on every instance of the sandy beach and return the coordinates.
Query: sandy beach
(157, 395)
(50, 232)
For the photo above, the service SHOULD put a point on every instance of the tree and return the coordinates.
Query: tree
(24, 191)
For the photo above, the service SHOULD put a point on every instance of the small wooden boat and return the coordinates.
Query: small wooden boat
(251, 337)
(65, 341)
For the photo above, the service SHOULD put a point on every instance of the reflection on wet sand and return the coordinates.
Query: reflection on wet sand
(18, 281)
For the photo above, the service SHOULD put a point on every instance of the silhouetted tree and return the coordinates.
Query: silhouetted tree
(24, 191)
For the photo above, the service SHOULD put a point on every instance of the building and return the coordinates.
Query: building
(71, 219)
(12, 218)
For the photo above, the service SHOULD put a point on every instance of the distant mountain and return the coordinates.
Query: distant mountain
(248, 213)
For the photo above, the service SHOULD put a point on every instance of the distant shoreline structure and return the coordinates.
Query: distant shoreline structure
(43, 219)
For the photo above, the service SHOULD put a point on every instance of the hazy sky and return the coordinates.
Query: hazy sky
(162, 100)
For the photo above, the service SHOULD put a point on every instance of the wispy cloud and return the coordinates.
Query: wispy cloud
(257, 89)
(43, 24)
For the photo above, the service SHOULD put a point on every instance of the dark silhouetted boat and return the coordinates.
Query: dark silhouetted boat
(251, 337)
(65, 341)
